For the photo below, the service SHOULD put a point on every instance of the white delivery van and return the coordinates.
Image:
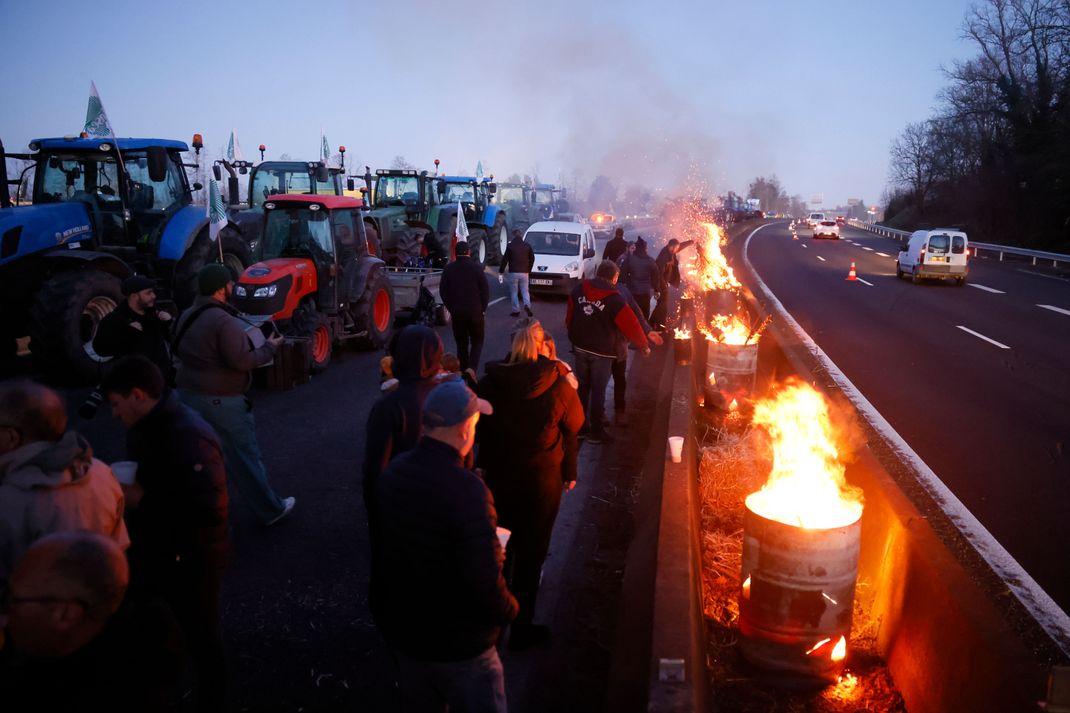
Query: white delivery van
(564, 255)
(814, 218)
(935, 254)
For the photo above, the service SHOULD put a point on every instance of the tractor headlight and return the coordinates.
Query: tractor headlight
(239, 290)
(269, 291)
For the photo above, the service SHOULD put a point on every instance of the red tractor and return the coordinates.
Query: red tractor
(316, 277)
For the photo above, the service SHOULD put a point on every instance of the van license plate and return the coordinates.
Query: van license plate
(542, 282)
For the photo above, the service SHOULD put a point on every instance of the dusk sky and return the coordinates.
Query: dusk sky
(653, 93)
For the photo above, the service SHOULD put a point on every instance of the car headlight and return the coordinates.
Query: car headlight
(239, 291)
(572, 267)
(269, 291)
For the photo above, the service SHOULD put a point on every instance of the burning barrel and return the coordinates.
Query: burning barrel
(801, 541)
(797, 595)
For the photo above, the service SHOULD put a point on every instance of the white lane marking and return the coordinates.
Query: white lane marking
(993, 290)
(1053, 308)
(864, 282)
(1039, 603)
(821, 259)
(883, 255)
(1041, 274)
(804, 245)
(494, 302)
(865, 248)
(981, 336)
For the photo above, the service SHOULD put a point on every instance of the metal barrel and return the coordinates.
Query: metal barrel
(682, 350)
(797, 595)
(734, 367)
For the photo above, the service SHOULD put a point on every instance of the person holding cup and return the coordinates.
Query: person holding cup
(177, 512)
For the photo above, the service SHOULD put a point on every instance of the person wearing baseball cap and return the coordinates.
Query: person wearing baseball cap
(437, 590)
(136, 326)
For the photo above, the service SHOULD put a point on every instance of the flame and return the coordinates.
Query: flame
(839, 652)
(732, 330)
(684, 333)
(746, 588)
(708, 266)
(734, 406)
(713, 379)
(806, 487)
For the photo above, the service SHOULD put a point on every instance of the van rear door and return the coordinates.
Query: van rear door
(959, 247)
(937, 250)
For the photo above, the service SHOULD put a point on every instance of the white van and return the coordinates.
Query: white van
(935, 254)
(814, 219)
(564, 254)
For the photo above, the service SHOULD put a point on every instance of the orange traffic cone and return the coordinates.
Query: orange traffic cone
(852, 275)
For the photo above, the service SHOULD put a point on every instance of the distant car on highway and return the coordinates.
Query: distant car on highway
(935, 254)
(841, 221)
(827, 229)
(814, 218)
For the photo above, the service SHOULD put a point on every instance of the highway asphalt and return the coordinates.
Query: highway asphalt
(976, 379)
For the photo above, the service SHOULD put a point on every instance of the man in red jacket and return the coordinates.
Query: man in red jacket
(596, 316)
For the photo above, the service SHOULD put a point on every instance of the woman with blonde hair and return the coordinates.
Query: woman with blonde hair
(528, 451)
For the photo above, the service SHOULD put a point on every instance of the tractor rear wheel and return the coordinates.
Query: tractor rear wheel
(477, 245)
(374, 312)
(309, 323)
(64, 318)
(499, 238)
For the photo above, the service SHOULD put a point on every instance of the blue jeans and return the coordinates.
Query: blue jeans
(232, 419)
(593, 372)
(475, 685)
(518, 280)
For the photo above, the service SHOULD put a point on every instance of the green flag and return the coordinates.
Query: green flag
(96, 119)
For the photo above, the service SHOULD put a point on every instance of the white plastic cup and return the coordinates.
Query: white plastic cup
(503, 536)
(125, 471)
(676, 448)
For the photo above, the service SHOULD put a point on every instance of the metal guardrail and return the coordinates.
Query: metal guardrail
(1001, 250)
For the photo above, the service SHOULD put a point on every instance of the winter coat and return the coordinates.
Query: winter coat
(669, 266)
(48, 487)
(519, 257)
(437, 590)
(123, 331)
(614, 249)
(640, 274)
(394, 421)
(216, 356)
(464, 288)
(183, 512)
(531, 436)
(596, 315)
(622, 341)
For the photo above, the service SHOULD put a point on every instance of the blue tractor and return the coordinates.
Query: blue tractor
(488, 233)
(102, 209)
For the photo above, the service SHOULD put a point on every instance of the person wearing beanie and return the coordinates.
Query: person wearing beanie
(137, 327)
(465, 293)
(640, 274)
(216, 360)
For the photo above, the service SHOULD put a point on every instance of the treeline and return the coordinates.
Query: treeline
(995, 158)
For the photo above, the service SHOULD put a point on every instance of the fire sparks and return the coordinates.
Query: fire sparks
(817, 646)
(734, 406)
(684, 333)
(708, 267)
(806, 487)
(839, 651)
(746, 588)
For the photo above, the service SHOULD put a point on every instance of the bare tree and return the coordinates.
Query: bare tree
(400, 162)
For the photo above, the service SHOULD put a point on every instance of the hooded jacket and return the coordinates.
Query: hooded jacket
(640, 272)
(216, 356)
(532, 432)
(394, 421)
(48, 487)
(596, 315)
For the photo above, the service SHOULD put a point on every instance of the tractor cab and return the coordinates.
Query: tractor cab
(316, 277)
(129, 187)
(406, 224)
(473, 195)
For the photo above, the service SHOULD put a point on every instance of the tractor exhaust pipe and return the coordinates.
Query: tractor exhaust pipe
(5, 197)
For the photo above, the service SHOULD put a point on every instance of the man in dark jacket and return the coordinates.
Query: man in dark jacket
(519, 259)
(176, 513)
(394, 422)
(640, 274)
(465, 293)
(437, 590)
(136, 326)
(615, 247)
(669, 265)
(216, 359)
(595, 316)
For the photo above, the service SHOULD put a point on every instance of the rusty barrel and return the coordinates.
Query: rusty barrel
(682, 350)
(734, 366)
(797, 595)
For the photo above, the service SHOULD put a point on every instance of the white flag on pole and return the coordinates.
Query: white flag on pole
(96, 119)
(325, 150)
(217, 212)
(462, 227)
(234, 148)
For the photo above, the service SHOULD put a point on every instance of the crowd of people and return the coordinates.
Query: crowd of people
(462, 478)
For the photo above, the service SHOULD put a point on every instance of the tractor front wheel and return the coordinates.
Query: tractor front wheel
(477, 246)
(64, 318)
(309, 323)
(374, 312)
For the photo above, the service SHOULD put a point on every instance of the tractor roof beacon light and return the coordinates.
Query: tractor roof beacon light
(342, 150)
(436, 165)
(198, 144)
(262, 150)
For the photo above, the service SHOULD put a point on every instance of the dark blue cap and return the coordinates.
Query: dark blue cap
(452, 403)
